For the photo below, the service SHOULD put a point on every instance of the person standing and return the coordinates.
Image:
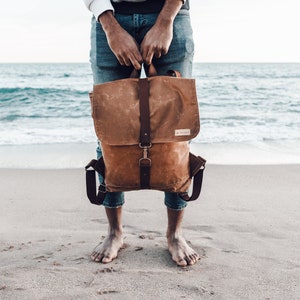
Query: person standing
(124, 36)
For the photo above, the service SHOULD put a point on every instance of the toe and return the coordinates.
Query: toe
(106, 259)
(192, 259)
(181, 262)
(93, 256)
(96, 257)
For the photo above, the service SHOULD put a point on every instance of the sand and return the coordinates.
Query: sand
(245, 226)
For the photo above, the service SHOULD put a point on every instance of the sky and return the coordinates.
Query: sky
(224, 30)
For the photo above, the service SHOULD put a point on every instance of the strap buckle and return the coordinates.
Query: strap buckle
(102, 188)
(145, 161)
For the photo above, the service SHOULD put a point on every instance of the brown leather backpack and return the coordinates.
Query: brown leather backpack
(144, 126)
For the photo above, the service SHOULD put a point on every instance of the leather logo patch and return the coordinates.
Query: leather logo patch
(182, 132)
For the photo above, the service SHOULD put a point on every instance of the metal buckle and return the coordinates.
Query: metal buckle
(147, 146)
(145, 161)
(102, 188)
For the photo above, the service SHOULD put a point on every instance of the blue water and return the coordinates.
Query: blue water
(239, 103)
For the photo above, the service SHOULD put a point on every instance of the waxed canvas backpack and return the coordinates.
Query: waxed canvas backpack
(144, 126)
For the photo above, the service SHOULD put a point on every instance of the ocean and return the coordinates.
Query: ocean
(240, 104)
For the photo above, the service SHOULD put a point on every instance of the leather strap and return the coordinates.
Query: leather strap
(145, 137)
(197, 166)
(97, 165)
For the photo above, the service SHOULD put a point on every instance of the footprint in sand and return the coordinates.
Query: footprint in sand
(201, 228)
(105, 292)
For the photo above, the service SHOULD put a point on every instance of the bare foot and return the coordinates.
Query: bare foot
(108, 250)
(181, 252)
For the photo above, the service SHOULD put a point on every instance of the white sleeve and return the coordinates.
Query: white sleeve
(97, 7)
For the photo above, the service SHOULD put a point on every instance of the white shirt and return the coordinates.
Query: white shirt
(97, 7)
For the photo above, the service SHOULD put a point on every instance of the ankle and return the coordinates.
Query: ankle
(115, 232)
(173, 235)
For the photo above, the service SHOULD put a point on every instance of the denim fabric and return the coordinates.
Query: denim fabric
(106, 68)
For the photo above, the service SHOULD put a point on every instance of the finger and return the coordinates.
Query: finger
(136, 64)
(136, 61)
(124, 59)
(147, 53)
(127, 62)
(120, 60)
(158, 54)
(164, 51)
(149, 57)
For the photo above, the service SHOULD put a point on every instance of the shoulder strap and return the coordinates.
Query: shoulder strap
(197, 166)
(91, 188)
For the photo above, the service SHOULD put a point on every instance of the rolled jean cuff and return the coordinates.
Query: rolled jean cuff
(113, 200)
(173, 201)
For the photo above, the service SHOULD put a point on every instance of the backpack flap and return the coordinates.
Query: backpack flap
(173, 104)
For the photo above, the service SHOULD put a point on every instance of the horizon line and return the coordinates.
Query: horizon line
(195, 62)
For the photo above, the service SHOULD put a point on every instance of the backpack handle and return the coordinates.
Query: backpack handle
(151, 71)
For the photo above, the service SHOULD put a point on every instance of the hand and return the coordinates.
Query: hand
(156, 42)
(122, 44)
(125, 48)
(158, 39)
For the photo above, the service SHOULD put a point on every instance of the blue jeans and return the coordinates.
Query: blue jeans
(106, 67)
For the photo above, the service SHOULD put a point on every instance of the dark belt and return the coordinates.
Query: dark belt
(146, 7)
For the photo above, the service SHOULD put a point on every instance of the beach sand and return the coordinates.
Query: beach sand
(245, 226)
